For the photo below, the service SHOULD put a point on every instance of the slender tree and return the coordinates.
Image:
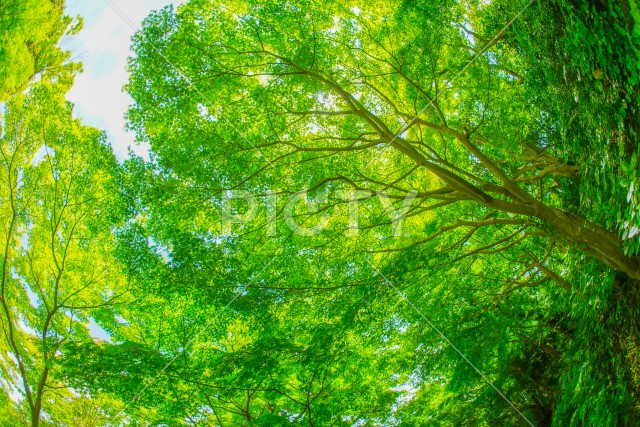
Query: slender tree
(57, 263)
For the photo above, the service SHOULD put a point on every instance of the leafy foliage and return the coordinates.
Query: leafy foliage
(57, 258)
(495, 171)
(29, 34)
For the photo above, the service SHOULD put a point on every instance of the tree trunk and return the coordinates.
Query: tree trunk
(593, 240)
(35, 414)
(587, 237)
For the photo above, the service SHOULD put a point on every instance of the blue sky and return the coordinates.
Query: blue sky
(103, 48)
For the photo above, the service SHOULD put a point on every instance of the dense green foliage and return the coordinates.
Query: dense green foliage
(492, 278)
(29, 34)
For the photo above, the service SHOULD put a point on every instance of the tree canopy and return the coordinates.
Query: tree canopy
(353, 213)
(30, 31)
